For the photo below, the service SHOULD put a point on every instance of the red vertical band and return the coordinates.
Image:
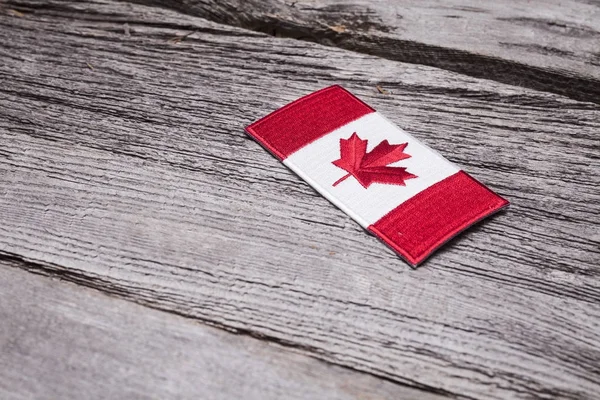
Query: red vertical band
(426, 221)
(307, 119)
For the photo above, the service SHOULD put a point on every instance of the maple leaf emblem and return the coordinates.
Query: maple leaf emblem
(372, 167)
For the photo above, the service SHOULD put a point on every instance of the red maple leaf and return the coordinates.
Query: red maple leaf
(372, 167)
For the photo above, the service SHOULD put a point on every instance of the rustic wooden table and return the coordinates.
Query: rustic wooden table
(150, 249)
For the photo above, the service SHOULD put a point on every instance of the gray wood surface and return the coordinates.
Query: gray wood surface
(551, 45)
(60, 341)
(124, 167)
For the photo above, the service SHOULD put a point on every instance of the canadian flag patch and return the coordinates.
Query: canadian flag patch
(394, 186)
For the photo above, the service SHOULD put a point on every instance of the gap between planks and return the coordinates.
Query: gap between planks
(557, 51)
(90, 339)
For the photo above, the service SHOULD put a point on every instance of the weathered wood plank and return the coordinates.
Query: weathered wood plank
(551, 45)
(60, 341)
(135, 177)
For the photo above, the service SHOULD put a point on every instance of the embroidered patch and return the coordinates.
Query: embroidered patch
(393, 185)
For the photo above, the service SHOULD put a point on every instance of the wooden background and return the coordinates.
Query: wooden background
(126, 177)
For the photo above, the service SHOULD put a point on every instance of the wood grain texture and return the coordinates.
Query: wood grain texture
(60, 341)
(124, 167)
(550, 45)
